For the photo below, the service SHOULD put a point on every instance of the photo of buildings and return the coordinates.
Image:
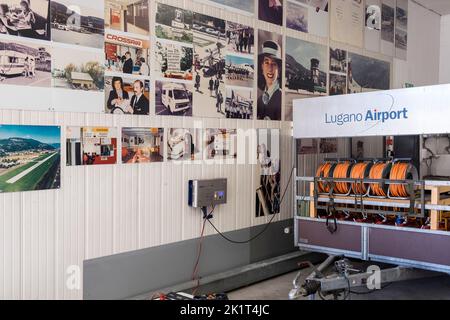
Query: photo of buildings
(338, 84)
(338, 60)
(142, 145)
(30, 158)
(127, 16)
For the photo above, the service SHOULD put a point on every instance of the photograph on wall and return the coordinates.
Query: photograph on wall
(290, 97)
(221, 144)
(173, 98)
(184, 144)
(77, 69)
(306, 67)
(239, 103)
(173, 61)
(401, 29)
(338, 84)
(297, 16)
(401, 39)
(270, 70)
(209, 66)
(387, 23)
(173, 23)
(127, 95)
(246, 7)
(367, 74)
(30, 158)
(25, 64)
(309, 16)
(240, 38)
(91, 146)
(271, 11)
(142, 145)
(25, 18)
(268, 199)
(240, 71)
(78, 22)
(129, 55)
(338, 60)
(127, 16)
(401, 15)
(306, 146)
(328, 145)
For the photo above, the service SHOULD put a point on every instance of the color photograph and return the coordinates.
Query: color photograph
(306, 146)
(173, 98)
(173, 61)
(25, 64)
(209, 66)
(221, 144)
(338, 60)
(297, 17)
(25, 19)
(328, 145)
(173, 23)
(78, 22)
(127, 55)
(240, 71)
(367, 74)
(184, 144)
(77, 69)
(91, 146)
(306, 67)
(127, 96)
(239, 103)
(271, 11)
(338, 84)
(270, 69)
(30, 158)
(240, 38)
(127, 16)
(401, 39)
(242, 6)
(142, 145)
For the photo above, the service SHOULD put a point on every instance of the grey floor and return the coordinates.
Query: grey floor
(278, 289)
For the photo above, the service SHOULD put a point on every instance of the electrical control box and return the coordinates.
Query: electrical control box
(207, 193)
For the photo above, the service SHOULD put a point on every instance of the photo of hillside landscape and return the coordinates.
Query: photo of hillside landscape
(367, 74)
(30, 158)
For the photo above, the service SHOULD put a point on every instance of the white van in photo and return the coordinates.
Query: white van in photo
(175, 97)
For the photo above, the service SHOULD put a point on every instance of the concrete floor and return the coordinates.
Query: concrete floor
(437, 288)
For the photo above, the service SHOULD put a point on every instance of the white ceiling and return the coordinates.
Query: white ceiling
(441, 7)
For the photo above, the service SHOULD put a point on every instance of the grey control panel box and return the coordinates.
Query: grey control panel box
(207, 193)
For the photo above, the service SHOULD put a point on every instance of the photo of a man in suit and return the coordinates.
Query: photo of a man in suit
(139, 101)
(128, 63)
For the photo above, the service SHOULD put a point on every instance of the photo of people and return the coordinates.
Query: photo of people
(25, 19)
(91, 146)
(142, 145)
(30, 158)
(240, 71)
(269, 75)
(78, 22)
(127, 16)
(173, 98)
(173, 23)
(271, 11)
(239, 103)
(25, 64)
(306, 67)
(209, 66)
(77, 69)
(297, 16)
(268, 178)
(221, 144)
(338, 84)
(240, 38)
(127, 55)
(184, 144)
(127, 96)
(318, 4)
(173, 61)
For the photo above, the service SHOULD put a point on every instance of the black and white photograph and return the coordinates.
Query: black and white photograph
(184, 144)
(77, 69)
(221, 144)
(239, 103)
(209, 66)
(338, 60)
(268, 189)
(296, 16)
(246, 7)
(401, 39)
(173, 98)
(240, 38)
(127, 96)
(173, 23)
(387, 23)
(173, 60)
(338, 84)
(78, 22)
(316, 4)
(240, 71)
(270, 70)
(129, 16)
(25, 64)
(401, 15)
(127, 55)
(271, 11)
(307, 146)
(306, 67)
(25, 18)
(328, 145)
(367, 74)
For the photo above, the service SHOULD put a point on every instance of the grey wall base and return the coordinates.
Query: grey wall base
(133, 273)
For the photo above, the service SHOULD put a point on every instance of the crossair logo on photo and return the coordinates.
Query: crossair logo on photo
(369, 116)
